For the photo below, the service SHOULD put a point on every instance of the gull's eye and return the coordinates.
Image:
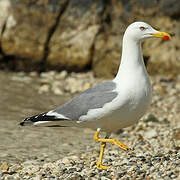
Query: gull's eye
(142, 28)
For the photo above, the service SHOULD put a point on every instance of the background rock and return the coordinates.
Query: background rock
(70, 45)
(26, 41)
(171, 8)
(4, 13)
(77, 35)
(162, 57)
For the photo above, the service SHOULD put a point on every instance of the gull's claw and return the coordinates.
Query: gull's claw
(120, 144)
(100, 166)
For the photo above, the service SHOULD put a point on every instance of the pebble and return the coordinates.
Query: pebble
(22, 79)
(4, 166)
(57, 91)
(65, 160)
(151, 118)
(62, 75)
(150, 134)
(33, 74)
(43, 89)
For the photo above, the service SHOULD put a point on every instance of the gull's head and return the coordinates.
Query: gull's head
(139, 31)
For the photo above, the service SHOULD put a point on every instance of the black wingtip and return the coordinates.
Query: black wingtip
(21, 123)
(32, 120)
(26, 121)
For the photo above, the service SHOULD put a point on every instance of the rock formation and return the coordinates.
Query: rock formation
(77, 35)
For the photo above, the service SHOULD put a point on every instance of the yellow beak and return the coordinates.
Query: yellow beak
(162, 35)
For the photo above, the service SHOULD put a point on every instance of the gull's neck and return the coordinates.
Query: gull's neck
(132, 60)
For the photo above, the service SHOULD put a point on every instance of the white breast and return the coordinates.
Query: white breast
(134, 96)
(134, 99)
(125, 110)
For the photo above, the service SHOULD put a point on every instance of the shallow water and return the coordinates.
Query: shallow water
(19, 99)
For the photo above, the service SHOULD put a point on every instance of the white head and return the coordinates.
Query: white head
(141, 30)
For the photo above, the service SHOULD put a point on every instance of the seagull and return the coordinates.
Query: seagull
(111, 105)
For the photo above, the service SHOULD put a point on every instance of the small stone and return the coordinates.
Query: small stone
(21, 79)
(63, 169)
(85, 86)
(120, 175)
(150, 134)
(104, 178)
(172, 175)
(51, 177)
(33, 74)
(15, 167)
(124, 161)
(61, 75)
(57, 91)
(151, 118)
(73, 157)
(92, 164)
(36, 178)
(29, 162)
(78, 169)
(49, 74)
(31, 169)
(22, 74)
(4, 166)
(43, 89)
(65, 160)
(177, 135)
(92, 174)
(71, 170)
(10, 177)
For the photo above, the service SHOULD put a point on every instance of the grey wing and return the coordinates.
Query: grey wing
(94, 97)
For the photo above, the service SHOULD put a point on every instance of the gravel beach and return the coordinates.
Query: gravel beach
(71, 153)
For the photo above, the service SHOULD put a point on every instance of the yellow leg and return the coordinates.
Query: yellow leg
(112, 141)
(103, 145)
(99, 162)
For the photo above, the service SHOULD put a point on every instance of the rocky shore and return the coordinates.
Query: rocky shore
(154, 141)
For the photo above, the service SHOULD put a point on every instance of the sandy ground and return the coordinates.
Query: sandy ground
(71, 153)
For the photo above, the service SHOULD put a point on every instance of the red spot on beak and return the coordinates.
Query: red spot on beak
(166, 38)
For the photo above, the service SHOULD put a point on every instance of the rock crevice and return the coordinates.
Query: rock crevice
(51, 32)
